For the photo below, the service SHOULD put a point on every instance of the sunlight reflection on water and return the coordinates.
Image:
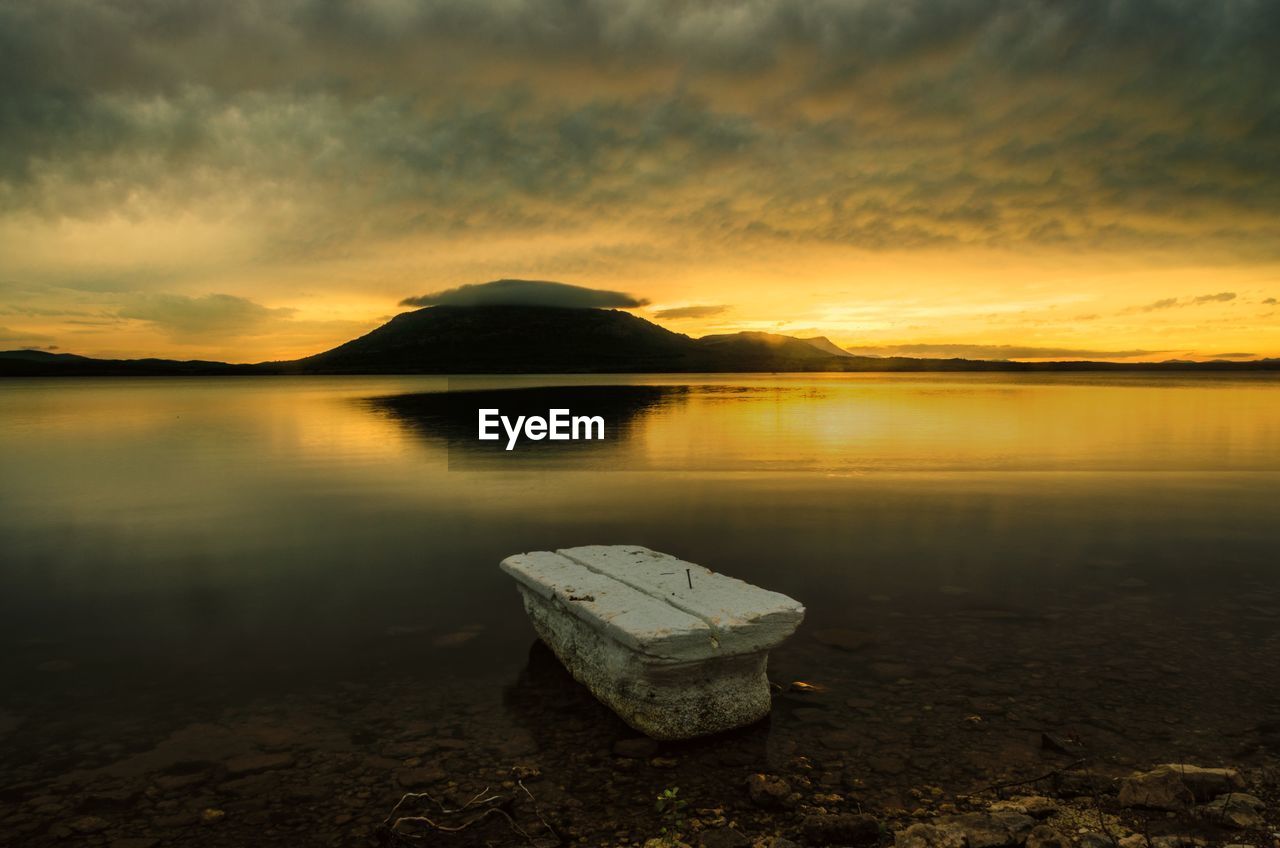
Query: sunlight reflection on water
(279, 532)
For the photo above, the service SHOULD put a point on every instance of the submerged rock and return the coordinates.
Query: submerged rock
(660, 842)
(841, 829)
(977, 830)
(769, 791)
(1036, 806)
(1043, 836)
(1176, 786)
(929, 836)
(723, 837)
(989, 830)
(1073, 784)
(1235, 809)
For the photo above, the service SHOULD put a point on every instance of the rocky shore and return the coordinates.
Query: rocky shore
(299, 779)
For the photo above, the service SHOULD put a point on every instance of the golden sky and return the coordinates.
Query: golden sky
(248, 181)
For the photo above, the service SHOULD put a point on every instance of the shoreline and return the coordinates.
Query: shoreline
(383, 800)
(328, 769)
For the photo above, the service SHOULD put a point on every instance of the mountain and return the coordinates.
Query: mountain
(825, 344)
(510, 339)
(552, 340)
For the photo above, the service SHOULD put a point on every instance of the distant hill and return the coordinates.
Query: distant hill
(825, 344)
(758, 351)
(42, 356)
(39, 363)
(552, 340)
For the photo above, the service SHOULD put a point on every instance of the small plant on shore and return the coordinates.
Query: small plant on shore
(671, 808)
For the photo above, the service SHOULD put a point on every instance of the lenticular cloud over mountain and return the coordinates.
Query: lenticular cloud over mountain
(527, 293)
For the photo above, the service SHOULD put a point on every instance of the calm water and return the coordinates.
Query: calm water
(1093, 556)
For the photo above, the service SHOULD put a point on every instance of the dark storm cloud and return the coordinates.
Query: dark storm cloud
(691, 312)
(1111, 124)
(526, 293)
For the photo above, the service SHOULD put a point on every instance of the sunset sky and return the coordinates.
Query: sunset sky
(245, 180)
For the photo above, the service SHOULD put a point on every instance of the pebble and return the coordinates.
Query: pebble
(769, 791)
(841, 829)
(723, 837)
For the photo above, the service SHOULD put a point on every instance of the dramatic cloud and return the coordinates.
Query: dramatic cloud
(326, 154)
(883, 124)
(978, 351)
(690, 312)
(526, 293)
(219, 315)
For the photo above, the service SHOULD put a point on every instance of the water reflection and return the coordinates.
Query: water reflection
(860, 423)
(173, 551)
(450, 418)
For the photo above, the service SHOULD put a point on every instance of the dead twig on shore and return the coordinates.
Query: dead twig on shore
(482, 803)
(996, 787)
(1093, 791)
(537, 812)
(396, 824)
(1097, 806)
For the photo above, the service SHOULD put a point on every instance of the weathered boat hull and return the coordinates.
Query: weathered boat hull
(676, 650)
(665, 700)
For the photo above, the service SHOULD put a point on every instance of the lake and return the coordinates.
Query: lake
(1001, 572)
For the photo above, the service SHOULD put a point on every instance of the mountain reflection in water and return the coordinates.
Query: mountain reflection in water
(452, 417)
(199, 570)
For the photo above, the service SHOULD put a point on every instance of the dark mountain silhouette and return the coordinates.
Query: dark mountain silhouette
(551, 340)
(510, 339)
